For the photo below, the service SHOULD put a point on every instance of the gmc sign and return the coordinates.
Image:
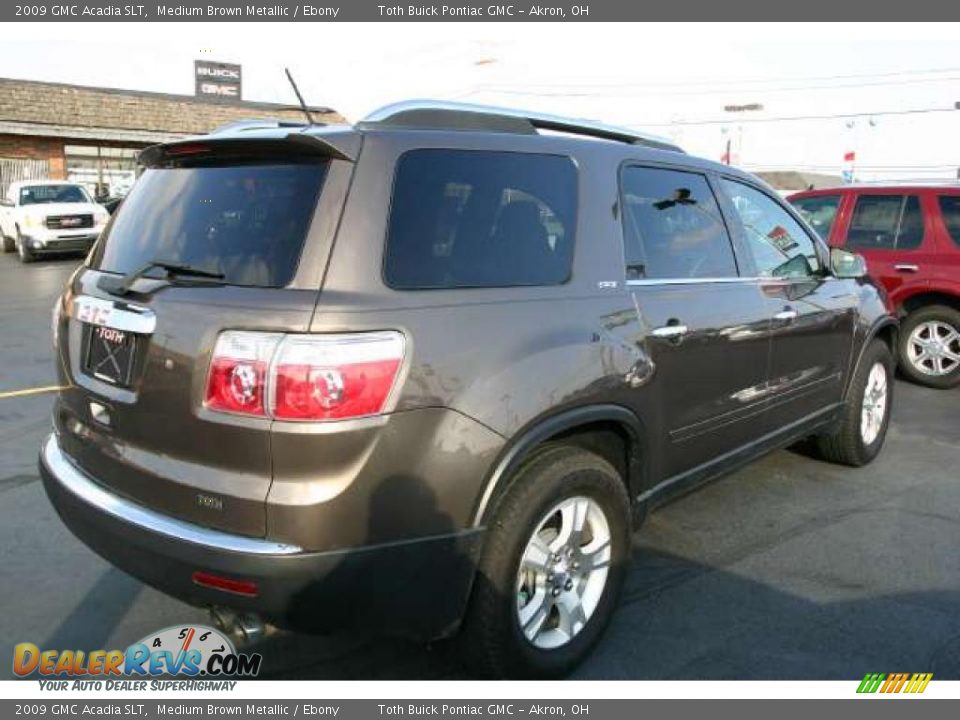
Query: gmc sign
(217, 81)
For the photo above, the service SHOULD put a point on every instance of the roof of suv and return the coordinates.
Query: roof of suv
(441, 116)
(913, 186)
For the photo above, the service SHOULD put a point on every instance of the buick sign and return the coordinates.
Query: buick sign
(217, 81)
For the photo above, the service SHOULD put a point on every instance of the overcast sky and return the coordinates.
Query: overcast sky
(670, 79)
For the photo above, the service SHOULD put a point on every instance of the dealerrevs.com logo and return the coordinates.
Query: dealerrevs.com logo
(183, 651)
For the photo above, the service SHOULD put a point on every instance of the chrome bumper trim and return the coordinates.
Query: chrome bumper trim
(126, 511)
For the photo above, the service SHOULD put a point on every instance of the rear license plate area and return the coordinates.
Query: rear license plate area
(109, 354)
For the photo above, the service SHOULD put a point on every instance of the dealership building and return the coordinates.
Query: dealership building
(92, 135)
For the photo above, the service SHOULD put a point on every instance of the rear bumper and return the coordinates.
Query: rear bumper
(416, 588)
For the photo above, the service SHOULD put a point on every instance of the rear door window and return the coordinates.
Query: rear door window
(463, 218)
(886, 222)
(245, 221)
(672, 226)
(950, 210)
(819, 212)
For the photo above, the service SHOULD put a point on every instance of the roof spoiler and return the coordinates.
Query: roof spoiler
(229, 144)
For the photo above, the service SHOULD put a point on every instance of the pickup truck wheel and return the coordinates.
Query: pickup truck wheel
(9, 244)
(866, 415)
(22, 250)
(930, 346)
(552, 568)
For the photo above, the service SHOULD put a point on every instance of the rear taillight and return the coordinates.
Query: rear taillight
(238, 372)
(304, 377)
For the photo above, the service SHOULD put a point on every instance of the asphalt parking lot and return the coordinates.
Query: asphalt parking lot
(789, 569)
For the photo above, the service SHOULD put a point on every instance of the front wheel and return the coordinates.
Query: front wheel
(23, 251)
(866, 415)
(930, 346)
(9, 244)
(552, 569)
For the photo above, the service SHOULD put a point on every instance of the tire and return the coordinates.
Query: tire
(937, 371)
(9, 244)
(492, 641)
(852, 443)
(26, 256)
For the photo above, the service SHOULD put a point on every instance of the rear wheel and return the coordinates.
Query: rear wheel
(9, 244)
(552, 569)
(866, 415)
(930, 346)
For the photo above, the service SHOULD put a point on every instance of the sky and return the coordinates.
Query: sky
(884, 91)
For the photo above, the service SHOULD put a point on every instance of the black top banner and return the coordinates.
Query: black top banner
(858, 11)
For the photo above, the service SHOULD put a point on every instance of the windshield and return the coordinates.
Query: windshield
(246, 222)
(43, 194)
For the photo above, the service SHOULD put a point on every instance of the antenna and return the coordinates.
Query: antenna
(296, 90)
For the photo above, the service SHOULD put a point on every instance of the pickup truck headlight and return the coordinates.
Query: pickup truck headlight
(32, 221)
(100, 217)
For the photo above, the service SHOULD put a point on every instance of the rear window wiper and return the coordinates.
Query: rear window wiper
(121, 286)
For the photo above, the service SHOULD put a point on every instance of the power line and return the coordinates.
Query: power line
(736, 120)
(503, 90)
(716, 81)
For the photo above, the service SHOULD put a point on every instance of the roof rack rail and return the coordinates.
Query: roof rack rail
(446, 115)
(255, 124)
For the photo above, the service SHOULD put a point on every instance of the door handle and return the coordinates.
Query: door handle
(786, 315)
(906, 267)
(670, 332)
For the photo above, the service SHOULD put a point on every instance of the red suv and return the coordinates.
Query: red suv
(910, 237)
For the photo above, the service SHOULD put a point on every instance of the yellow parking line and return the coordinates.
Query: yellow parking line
(32, 391)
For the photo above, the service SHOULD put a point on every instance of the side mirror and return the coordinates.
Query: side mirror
(847, 265)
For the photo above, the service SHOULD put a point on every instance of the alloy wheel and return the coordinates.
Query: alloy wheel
(563, 572)
(933, 348)
(874, 409)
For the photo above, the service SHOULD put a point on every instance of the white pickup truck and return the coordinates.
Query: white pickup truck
(49, 216)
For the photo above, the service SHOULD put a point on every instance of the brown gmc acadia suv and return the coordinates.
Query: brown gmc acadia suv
(426, 374)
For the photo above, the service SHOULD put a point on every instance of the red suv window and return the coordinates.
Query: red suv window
(886, 222)
(950, 209)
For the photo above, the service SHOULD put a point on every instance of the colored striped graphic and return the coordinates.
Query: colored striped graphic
(895, 683)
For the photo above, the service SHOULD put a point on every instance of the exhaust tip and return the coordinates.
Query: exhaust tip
(242, 628)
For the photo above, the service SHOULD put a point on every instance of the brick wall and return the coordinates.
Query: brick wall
(36, 148)
(56, 104)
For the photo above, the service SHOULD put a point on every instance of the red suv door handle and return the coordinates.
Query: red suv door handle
(906, 267)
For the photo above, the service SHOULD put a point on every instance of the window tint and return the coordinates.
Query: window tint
(885, 222)
(819, 211)
(779, 245)
(38, 194)
(247, 222)
(950, 209)
(672, 226)
(463, 218)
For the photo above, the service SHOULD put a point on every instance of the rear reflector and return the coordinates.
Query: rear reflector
(218, 582)
(303, 377)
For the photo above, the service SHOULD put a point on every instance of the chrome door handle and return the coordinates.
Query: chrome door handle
(670, 332)
(786, 315)
(906, 267)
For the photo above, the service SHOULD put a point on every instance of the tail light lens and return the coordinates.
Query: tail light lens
(238, 372)
(304, 377)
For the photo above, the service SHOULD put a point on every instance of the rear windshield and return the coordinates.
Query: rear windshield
(819, 211)
(41, 194)
(463, 218)
(247, 222)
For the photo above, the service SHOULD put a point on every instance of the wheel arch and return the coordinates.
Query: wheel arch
(926, 298)
(591, 427)
(886, 329)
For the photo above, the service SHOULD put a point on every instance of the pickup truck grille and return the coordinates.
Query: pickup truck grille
(69, 222)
